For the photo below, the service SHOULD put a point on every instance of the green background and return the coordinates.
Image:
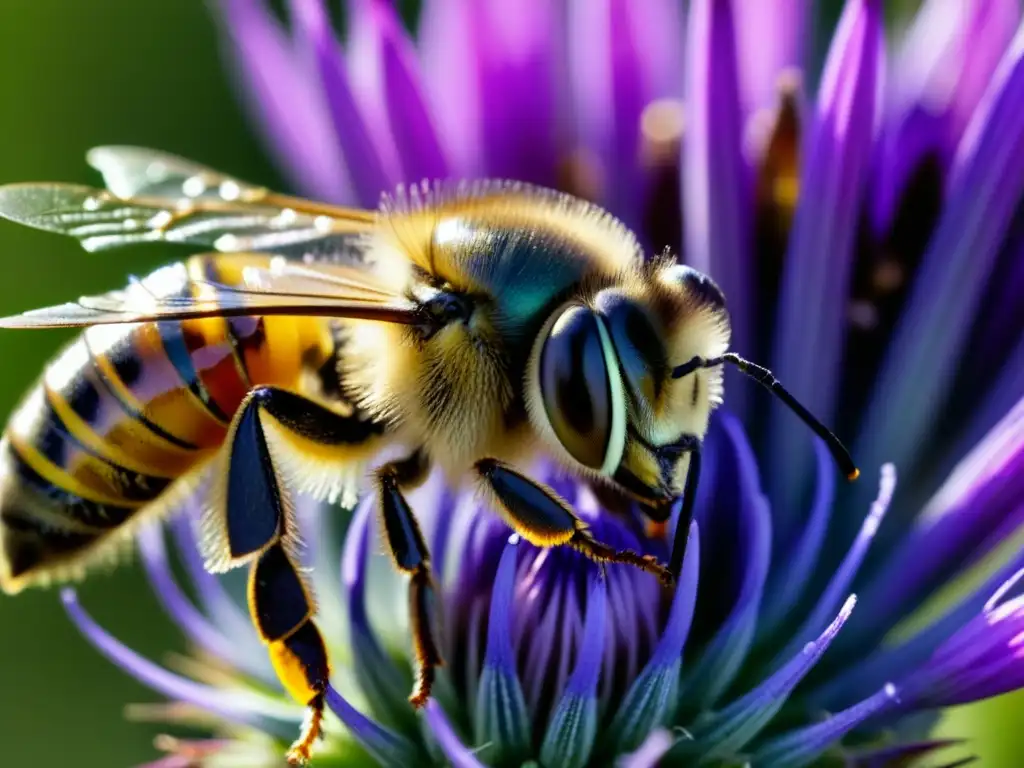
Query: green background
(75, 74)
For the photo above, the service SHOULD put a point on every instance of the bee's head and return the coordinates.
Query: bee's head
(602, 389)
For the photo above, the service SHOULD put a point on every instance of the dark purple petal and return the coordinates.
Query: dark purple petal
(719, 663)
(940, 72)
(788, 581)
(717, 194)
(195, 625)
(804, 745)
(839, 584)
(457, 752)
(357, 139)
(815, 283)
(570, 734)
(980, 500)
(385, 686)
(502, 720)
(237, 706)
(619, 53)
(390, 749)
(652, 698)
(288, 106)
(722, 734)
(985, 186)
(384, 64)
(772, 35)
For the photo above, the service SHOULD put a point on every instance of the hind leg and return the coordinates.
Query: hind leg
(251, 520)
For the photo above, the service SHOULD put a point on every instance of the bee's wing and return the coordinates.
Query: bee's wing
(283, 289)
(153, 196)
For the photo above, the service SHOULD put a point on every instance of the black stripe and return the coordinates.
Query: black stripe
(71, 505)
(129, 411)
(52, 438)
(279, 603)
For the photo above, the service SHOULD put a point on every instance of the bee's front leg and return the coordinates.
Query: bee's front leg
(541, 517)
(409, 551)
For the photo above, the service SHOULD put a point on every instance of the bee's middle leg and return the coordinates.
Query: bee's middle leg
(544, 519)
(411, 556)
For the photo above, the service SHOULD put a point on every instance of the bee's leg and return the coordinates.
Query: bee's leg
(545, 520)
(282, 608)
(411, 556)
(271, 432)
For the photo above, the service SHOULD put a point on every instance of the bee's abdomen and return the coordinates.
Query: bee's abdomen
(119, 416)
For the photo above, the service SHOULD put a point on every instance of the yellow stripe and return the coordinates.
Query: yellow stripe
(83, 433)
(61, 479)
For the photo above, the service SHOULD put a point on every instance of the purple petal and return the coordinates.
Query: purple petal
(652, 698)
(385, 686)
(982, 660)
(237, 706)
(717, 194)
(839, 585)
(788, 581)
(941, 70)
(655, 746)
(981, 498)
(815, 283)
(196, 627)
(621, 59)
(493, 73)
(573, 725)
(804, 745)
(502, 720)
(892, 663)
(771, 36)
(583, 680)
(220, 606)
(986, 184)
(457, 752)
(288, 107)
(729, 729)
(384, 63)
(390, 749)
(367, 163)
(721, 660)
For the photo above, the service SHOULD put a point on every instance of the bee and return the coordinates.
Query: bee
(472, 326)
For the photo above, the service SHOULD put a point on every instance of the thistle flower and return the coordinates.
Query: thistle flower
(868, 235)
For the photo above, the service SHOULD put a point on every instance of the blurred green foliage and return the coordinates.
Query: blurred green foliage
(73, 75)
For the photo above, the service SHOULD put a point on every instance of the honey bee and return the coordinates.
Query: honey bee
(472, 325)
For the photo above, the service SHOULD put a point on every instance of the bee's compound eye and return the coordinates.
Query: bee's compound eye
(581, 389)
(702, 288)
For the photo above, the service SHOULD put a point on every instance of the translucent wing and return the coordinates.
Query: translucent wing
(152, 196)
(282, 289)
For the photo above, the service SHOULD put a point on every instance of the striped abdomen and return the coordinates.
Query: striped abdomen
(127, 414)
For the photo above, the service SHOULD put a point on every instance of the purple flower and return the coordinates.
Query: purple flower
(867, 232)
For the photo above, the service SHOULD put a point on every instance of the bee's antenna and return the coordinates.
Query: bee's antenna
(767, 379)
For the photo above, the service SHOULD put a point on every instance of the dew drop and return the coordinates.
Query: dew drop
(323, 223)
(229, 190)
(284, 219)
(131, 223)
(91, 204)
(161, 220)
(194, 186)
(226, 242)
